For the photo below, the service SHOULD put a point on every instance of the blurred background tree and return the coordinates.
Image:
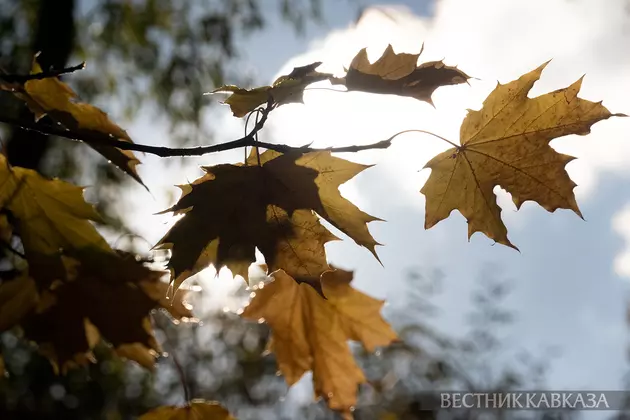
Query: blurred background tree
(481, 360)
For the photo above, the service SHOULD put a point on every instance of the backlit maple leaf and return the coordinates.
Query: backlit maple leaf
(108, 296)
(311, 333)
(235, 208)
(399, 74)
(52, 97)
(194, 410)
(284, 90)
(506, 143)
(50, 216)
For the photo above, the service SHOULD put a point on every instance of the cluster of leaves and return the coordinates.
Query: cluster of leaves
(272, 202)
(68, 289)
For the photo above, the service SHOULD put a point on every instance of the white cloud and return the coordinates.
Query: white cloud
(490, 40)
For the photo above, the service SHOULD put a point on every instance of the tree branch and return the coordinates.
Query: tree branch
(249, 140)
(22, 78)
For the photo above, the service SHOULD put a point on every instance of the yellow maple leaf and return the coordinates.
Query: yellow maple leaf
(6, 231)
(311, 333)
(285, 89)
(399, 74)
(51, 214)
(50, 217)
(235, 208)
(52, 97)
(506, 143)
(195, 410)
(302, 252)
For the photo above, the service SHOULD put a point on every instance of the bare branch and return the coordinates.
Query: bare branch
(249, 140)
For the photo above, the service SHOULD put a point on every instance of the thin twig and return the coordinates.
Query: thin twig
(178, 366)
(182, 377)
(429, 133)
(257, 111)
(23, 78)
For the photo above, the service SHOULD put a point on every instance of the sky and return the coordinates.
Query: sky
(571, 277)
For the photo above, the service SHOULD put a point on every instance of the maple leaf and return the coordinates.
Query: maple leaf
(311, 333)
(110, 297)
(285, 89)
(243, 101)
(301, 251)
(235, 208)
(122, 267)
(52, 97)
(506, 143)
(6, 230)
(18, 296)
(195, 410)
(399, 74)
(51, 215)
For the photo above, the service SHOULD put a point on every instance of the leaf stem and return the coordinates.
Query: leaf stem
(256, 141)
(426, 132)
(328, 89)
(257, 111)
(178, 366)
